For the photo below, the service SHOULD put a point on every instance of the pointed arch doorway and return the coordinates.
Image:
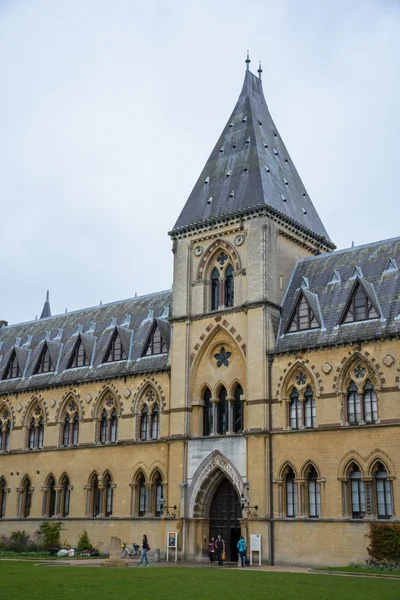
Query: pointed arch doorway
(225, 515)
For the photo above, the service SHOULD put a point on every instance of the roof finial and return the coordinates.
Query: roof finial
(46, 312)
(259, 71)
(247, 61)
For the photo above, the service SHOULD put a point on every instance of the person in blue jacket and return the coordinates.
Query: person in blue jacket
(241, 546)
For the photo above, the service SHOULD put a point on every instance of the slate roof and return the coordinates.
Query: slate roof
(250, 167)
(331, 279)
(133, 320)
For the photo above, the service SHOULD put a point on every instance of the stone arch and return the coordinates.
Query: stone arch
(36, 400)
(107, 473)
(209, 332)
(70, 396)
(62, 476)
(150, 382)
(49, 477)
(140, 467)
(285, 467)
(377, 456)
(289, 372)
(107, 390)
(306, 467)
(350, 457)
(6, 407)
(157, 467)
(343, 376)
(232, 387)
(149, 395)
(206, 479)
(219, 244)
(217, 388)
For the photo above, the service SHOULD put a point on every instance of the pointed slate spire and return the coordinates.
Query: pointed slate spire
(271, 184)
(46, 312)
(247, 61)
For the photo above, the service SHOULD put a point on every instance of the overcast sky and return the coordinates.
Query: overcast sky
(109, 110)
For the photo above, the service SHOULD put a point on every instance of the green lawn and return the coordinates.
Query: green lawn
(21, 580)
(362, 571)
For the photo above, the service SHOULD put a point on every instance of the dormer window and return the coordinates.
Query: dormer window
(359, 306)
(44, 364)
(303, 317)
(12, 371)
(155, 343)
(79, 357)
(115, 350)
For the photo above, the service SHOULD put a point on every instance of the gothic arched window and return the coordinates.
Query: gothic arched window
(353, 404)
(95, 496)
(155, 423)
(3, 497)
(295, 410)
(309, 408)
(314, 494)
(229, 286)
(115, 351)
(108, 495)
(31, 438)
(383, 493)
(40, 436)
(103, 427)
(291, 494)
(113, 426)
(370, 404)
(65, 496)
(215, 293)
(66, 430)
(79, 357)
(222, 412)
(155, 344)
(144, 423)
(142, 496)
(357, 491)
(207, 413)
(238, 410)
(159, 495)
(26, 499)
(44, 363)
(12, 371)
(50, 498)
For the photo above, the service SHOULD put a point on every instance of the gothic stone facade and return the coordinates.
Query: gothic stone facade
(269, 376)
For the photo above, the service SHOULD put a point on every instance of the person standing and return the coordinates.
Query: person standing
(241, 546)
(145, 549)
(211, 550)
(220, 548)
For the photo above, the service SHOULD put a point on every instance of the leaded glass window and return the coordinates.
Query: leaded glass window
(159, 496)
(142, 497)
(144, 423)
(155, 423)
(3, 498)
(12, 371)
(51, 500)
(114, 426)
(357, 488)
(115, 350)
(207, 413)
(79, 357)
(222, 412)
(309, 408)
(303, 317)
(67, 430)
(314, 494)
(155, 344)
(383, 492)
(215, 293)
(238, 410)
(291, 495)
(370, 403)
(65, 498)
(359, 307)
(295, 410)
(103, 427)
(229, 286)
(353, 404)
(44, 364)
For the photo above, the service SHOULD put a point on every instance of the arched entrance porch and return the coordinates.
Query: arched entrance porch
(225, 515)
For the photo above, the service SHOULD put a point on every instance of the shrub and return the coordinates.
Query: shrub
(384, 542)
(49, 533)
(19, 541)
(84, 542)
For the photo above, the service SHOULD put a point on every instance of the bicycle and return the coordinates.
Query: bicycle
(132, 551)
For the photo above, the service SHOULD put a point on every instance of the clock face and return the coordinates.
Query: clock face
(198, 250)
(239, 239)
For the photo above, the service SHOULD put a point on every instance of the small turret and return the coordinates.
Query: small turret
(46, 312)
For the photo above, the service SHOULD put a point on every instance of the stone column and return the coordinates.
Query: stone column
(19, 491)
(301, 497)
(215, 402)
(230, 400)
(345, 499)
(102, 499)
(369, 500)
(88, 489)
(133, 487)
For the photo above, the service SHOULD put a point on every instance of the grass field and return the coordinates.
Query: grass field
(21, 580)
(362, 571)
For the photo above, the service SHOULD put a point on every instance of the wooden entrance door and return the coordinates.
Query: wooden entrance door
(225, 515)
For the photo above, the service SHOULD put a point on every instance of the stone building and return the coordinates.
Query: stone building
(260, 395)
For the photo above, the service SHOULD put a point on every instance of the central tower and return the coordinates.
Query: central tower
(246, 222)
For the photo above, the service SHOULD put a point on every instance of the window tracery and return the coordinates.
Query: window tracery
(35, 429)
(361, 404)
(100, 495)
(222, 294)
(149, 416)
(301, 411)
(107, 421)
(70, 425)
